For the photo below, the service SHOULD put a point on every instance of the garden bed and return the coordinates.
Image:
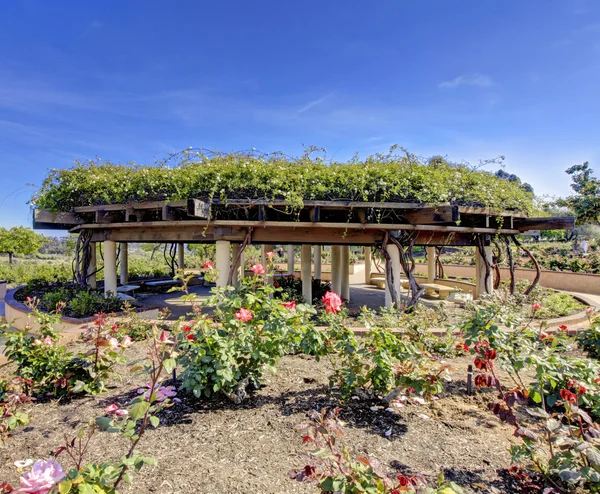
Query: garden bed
(214, 446)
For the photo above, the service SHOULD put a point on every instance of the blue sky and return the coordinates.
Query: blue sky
(131, 81)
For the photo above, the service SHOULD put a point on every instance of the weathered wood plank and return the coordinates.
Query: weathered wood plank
(198, 208)
(552, 223)
(430, 216)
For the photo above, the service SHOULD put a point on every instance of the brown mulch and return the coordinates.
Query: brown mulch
(217, 447)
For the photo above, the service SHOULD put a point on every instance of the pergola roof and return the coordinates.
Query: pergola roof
(317, 222)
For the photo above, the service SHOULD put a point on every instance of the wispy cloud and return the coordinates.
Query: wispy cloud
(478, 80)
(314, 103)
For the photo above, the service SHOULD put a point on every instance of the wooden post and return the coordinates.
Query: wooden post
(481, 286)
(431, 264)
(110, 267)
(290, 252)
(306, 273)
(124, 263)
(367, 265)
(222, 261)
(392, 250)
(336, 280)
(181, 256)
(91, 272)
(345, 272)
(317, 261)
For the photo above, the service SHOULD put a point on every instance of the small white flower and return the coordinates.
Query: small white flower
(24, 463)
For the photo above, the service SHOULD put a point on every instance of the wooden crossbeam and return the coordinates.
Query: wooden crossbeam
(552, 223)
(431, 216)
(198, 208)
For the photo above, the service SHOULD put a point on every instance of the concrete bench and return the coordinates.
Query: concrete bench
(378, 280)
(442, 290)
(164, 283)
(125, 297)
(127, 288)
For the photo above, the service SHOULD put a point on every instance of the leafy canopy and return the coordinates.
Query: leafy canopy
(203, 175)
(20, 240)
(586, 201)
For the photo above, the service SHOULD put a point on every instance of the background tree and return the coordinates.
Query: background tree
(21, 241)
(586, 201)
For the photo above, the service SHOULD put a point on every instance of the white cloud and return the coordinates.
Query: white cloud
(479, 80)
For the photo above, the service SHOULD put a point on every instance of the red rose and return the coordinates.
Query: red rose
(480, 363)
(332, 302)
(491, 354)
(569, 397)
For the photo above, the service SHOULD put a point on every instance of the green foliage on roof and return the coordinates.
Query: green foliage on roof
(386, 178)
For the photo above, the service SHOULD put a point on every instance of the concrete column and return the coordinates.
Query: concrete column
(290, 253)
(238, 274)
(263, 256)
(345, 271)
(306, 272)
(394, 254)
(91, 272)
(317, 261)
(481, 286)
(181, 256)
(367, 265)
(110, 267)
(431, 255)
(336, 279)
(222, 261)
(124, 263)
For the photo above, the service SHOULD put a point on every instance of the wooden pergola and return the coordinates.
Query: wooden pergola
(392, 228)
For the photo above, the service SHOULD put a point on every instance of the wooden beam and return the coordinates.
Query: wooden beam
(198, 208)
(66, 218)
(552, 223)
(103, 217)
(315, 213)
(299, 224)
(431, 216)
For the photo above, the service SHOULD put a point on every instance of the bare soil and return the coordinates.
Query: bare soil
(217, 447)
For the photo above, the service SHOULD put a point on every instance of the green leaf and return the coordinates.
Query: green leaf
(154, 421)
(104, 422)
(64, 487)
(170, 364)
(139, 409)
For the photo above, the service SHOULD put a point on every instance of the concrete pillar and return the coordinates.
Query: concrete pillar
(110, 267)
(336, 279)
(317, 261)
(431, 254)
(367, 265)
(91, 272)
(394, 254)
(223, 248)
(306, 273)
(238, 274)
(345, 272)
(263, 256)
(290, 252)
(481, 286)
(180, 256)
(124, 263)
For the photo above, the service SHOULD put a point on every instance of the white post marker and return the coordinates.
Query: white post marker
(336, 280)
(181, 256)
(290, 252)
(431, 255)
(367, 265)
(345, 272)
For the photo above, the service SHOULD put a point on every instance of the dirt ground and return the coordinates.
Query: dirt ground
(218, 447)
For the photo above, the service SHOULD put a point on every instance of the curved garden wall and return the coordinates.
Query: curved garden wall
(559, 280)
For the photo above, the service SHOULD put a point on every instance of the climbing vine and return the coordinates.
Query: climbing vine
(208, 175)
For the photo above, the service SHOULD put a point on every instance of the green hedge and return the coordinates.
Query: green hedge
(379, 178)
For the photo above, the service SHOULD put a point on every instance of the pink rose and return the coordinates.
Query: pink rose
(44, 475)
(127, 342)
(589, 310)
(121, 413)
(332, 302)
(270, 255)
(291, 305)
(258, 269)
(244, 315)
(112, 408)
(209, 264)
(536, 306)
(113, 343)
(164, 337)
(48, 341)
